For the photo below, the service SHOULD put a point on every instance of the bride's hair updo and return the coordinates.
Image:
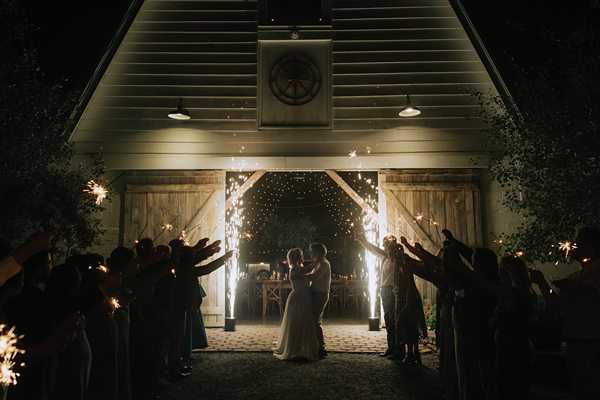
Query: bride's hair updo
(294, 256)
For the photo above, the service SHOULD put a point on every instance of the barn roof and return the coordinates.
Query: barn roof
(207, 52)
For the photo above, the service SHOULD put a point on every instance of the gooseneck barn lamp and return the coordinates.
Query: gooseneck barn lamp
(181, 113)
(409, 110)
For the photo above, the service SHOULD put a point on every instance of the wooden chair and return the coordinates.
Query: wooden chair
(355, 295)
(272, 293)
(336, 296)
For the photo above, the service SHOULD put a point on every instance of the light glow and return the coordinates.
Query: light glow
(371, 229)
(97, 190)
(233, 232)
(9, 349)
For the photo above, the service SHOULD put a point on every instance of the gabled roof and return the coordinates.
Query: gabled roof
(206, 53)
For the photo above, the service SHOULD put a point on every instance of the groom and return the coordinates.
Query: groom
(321, 281)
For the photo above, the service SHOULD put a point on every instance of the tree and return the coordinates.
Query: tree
(292, 232)
(39, 186)
(546, 148)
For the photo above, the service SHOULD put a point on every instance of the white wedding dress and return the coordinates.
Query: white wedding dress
(298, 336)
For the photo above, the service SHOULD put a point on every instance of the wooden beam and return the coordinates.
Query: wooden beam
(175, 188)
(245, 186)
(429, 186)
(203, 210)
(421, 234)
(346, 188)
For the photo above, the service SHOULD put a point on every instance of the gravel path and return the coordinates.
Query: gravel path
(345, 376)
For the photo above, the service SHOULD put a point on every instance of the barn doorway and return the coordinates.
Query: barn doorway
(414, 203)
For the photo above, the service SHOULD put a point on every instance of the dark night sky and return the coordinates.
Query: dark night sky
(72, 38)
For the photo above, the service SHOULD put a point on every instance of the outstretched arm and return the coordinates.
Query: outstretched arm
(213, 265)
(462, 248)
(370, 247)
(501, 292)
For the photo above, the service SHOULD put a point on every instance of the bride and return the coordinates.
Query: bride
(298, 336)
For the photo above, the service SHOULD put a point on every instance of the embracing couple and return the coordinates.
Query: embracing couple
(301, 335)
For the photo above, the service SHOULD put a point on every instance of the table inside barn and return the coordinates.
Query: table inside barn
(343, 294)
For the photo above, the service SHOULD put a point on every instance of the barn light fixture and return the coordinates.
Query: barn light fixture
(294, 34)
(409, 110)
(181, 113)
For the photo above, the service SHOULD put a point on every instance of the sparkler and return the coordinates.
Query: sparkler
(97, 190)
(371, 229)
(352, 153)
(567, 246)
(233, 229)
(8, 351)
(168, 226)
(115, 303)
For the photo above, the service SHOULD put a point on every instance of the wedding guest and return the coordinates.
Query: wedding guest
(579, 296)
(386, 288)
(123, 261)
(405, 324)
(31, 312)
(435, 269)
(473, 311)
(12, 259)
(187, 293)
(101, 330)
(75, 360)
(512, 323)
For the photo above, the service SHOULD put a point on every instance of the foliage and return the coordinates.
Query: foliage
(287, 233)
(39, 187)
(546, 149)
(431, 316)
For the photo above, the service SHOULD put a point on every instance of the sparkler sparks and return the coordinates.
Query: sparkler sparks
(352, 153)
(567, 246)
(97, 190)
(8, 351)
(232, 239)
(371, 229)
(115, 303)
(167, 227)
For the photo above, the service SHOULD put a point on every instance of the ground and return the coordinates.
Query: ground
(236, 375)
(240, 365)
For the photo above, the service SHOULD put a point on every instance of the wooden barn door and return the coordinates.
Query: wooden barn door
(444, 199)
(193, 202)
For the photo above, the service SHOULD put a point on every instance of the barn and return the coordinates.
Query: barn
(286, 85)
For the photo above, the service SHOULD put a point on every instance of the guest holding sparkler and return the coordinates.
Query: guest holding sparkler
(12, 260)
(434, 268)
(75, 359)
(187, 293)
(579, 297)
(101, 329)
(31, 313)
(123, 261)
(512, 321)
(386, 287)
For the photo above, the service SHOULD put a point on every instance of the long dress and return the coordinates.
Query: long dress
(298, 336)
